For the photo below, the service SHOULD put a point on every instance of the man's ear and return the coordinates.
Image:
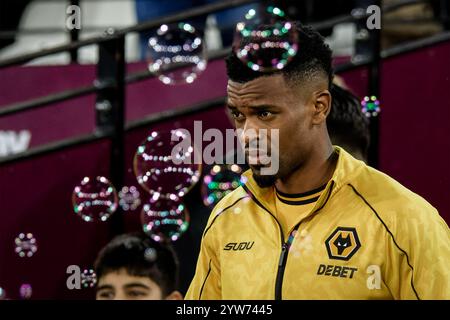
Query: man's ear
(322, 105)
(175, 295)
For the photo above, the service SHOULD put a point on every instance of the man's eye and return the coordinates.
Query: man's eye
(237, 115)
(264, 114)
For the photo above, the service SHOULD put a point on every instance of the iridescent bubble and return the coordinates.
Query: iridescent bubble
(94, 199)
(164, 220)
(265, 40)
(219, 181)
(88, 278)
(25, 291)
(370, 106)
(129, 198)
(150, 255)
(176, 46)
(26, 245)
(163, 167)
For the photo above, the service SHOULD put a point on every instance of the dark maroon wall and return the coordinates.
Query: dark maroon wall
(35, 196)
(415, 123)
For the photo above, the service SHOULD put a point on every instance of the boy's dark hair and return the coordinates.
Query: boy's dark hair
(131, 252)
(347, 125)
(313, 57)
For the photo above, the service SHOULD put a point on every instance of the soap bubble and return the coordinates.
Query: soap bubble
(158, 173)
(25, 291)
(370, 106)
(129, 198)
(88, 278)
(176, 46)
(26, 245)
(94, 199)
(164, 219)
(219, 181)
(265, 40)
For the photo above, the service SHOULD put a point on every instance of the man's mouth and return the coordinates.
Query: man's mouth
(256, 158)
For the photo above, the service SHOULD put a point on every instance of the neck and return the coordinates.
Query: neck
(314, 173)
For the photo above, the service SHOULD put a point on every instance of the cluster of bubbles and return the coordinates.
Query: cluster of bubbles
(88, 278)
(164, 170)
(176, 54)
(26, 245)
(95, 198)
(370, 106)
(219, 181)
(265, 40)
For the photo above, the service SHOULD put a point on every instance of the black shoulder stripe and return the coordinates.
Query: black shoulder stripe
(204, 281)
(393, 239)
(219, 213)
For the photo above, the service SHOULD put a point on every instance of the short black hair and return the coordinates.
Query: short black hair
(346, 123)
(140, 256)
(313, 56)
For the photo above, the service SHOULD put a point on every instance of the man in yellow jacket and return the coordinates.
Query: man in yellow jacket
(325, 225)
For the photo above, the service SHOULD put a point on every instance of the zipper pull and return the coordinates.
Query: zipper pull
(283, 254)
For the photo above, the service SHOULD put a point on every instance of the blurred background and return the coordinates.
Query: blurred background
(82, 86)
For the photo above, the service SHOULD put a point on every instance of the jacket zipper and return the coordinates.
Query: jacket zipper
(285, 245)
(282, 264)
(280, 273)
(285, 248)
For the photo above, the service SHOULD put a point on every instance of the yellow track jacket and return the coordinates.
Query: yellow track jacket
(368, 237)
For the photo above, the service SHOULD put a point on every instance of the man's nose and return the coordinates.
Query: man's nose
(249, 134)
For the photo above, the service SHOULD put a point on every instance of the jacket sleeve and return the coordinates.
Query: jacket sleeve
(206, 282)
(423, 255)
